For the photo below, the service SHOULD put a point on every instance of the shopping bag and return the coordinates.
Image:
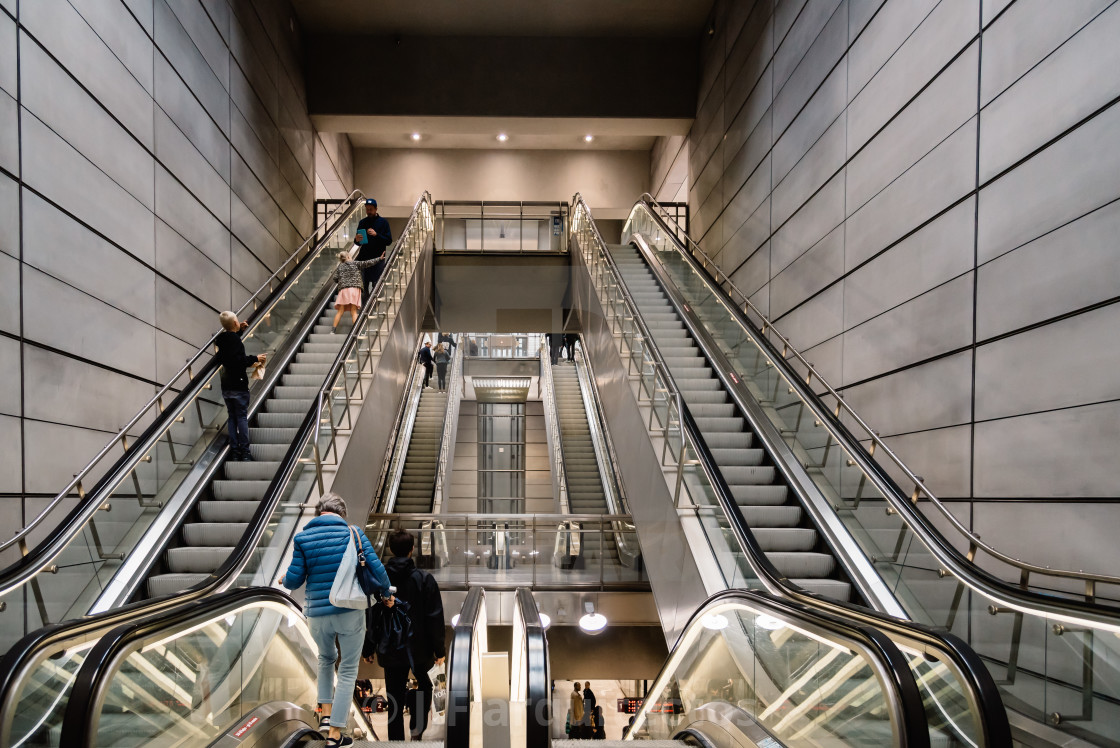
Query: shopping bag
(258, 372)
(346, 590)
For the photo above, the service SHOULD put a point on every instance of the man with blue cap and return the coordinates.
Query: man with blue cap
(371, 240)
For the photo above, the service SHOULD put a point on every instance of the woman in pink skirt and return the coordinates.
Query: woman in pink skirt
(348, 276)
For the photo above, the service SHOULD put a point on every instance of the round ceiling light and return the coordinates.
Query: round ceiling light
(502, 137)
(768, 622)
(593, 623)
(714, 622)
(588, 138)
(415, 136)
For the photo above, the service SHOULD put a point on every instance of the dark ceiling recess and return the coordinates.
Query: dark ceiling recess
(503, 76)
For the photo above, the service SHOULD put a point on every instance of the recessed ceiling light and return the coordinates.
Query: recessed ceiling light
(588, 138)
(415, 136)
(502, 137)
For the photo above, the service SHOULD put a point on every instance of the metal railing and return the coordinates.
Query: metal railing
(501, 226)
(552, 418)
(156, 402)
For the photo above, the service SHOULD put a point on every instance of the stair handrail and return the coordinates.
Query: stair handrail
(444, 456)
(905, 507)
(548, 397)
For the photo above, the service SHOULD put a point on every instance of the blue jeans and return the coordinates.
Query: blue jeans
(350, 630)
(237, 404)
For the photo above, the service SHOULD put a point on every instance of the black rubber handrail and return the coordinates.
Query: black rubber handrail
(459, 663)
(96, 672)
(913, 727)
(985, 693)
(983, 579)
(124, 464)
(538, 709)
(15, 660)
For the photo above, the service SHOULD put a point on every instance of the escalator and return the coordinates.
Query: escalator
(586, 494)
(1045, 640)
(38, 673)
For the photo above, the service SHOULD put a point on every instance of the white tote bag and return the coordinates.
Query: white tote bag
(345, 591)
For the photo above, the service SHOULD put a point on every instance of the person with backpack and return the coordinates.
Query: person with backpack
(424, 648)
(317, 553)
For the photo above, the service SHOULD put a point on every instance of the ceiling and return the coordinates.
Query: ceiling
(529, 18)
(524, 133)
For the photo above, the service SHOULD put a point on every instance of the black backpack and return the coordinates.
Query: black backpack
(389, 630)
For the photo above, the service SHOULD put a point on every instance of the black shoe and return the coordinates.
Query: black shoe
(247, 456)
(343, 741)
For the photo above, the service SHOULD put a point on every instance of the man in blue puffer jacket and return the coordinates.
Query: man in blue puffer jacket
(317, 554)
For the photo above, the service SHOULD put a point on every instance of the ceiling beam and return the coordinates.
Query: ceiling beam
(502, 76)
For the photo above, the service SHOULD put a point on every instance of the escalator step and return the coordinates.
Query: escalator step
(773, 539)
(210, 534)
(728, 457)
(773, 495)
(258, 470)
(281, 420)
(239, 490)
(188, 560)
(833, 588)
(227, 511)
(772, 516)
(264, 435)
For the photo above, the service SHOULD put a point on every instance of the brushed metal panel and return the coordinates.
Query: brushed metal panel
(9, 216)
(9, 294)
(62, 389)
(10, 368)
(822, 112)
(820, 163)
(117, 28)
(745, 202)
(934, 395)
(828, 358)
(740, 164)
(258, 64)
(255, 196)
(814, 66)
(754, 273)
(54, 452)
(173, 40)
(246, 100)
(90, 328)
(944, 175)
(948, 103)
(249, 146)
(749, 55)
(188, 114)
(942, 456)
(184, 316)
(179, 156)
(143, 11)
(785, 13)
(182, 211)
(817, 217)
(8, 56)
(1058, 534)
(814, 321)
(247, 270)
(809, 273)
(883, 35)
(761, 299)
(58, 171)
(708, 181)
(926, 259)
(754, 232)
(804, 32)
(947, 30)
(60, 103)
(248, 229)
(1063, 364)
(172, 353)
(197, 24)
(1024, 35)
(63, 248)
(1067, 269)
(9, 133)
(938, 321)
(991, 8)
(59, 28)
(11, 458)
(219, 13)
(1044, 102)
(1070, 178)
(860, 13)
(177, 260)
(1056, 454)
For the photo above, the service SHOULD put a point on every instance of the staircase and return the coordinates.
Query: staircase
(421, 461)
(774, 515)
(226, 506)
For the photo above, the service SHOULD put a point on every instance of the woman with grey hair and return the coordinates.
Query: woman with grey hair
(317, 554)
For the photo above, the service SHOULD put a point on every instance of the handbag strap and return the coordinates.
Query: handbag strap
(357, 545)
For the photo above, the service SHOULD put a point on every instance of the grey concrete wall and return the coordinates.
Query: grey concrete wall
(923, 196)
(334, 166)
(156, 164)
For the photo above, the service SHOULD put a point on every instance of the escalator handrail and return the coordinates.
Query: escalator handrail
(446, 438)
(548, 389)
(38, 557)
(459, 675)
(186, 369)
(387, 482)
(901, 678)
(538, 732)
(981, 687)
(617, 502)
(867, 463)
(14, 660)
(99, 664)
(982, 690)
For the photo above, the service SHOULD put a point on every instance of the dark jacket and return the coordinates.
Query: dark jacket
(376, 245)
(318, 551)
(425, 356)
(234, 361)
(446, 338)
(421, 591)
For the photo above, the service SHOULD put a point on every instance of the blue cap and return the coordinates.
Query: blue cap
(371, 201)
